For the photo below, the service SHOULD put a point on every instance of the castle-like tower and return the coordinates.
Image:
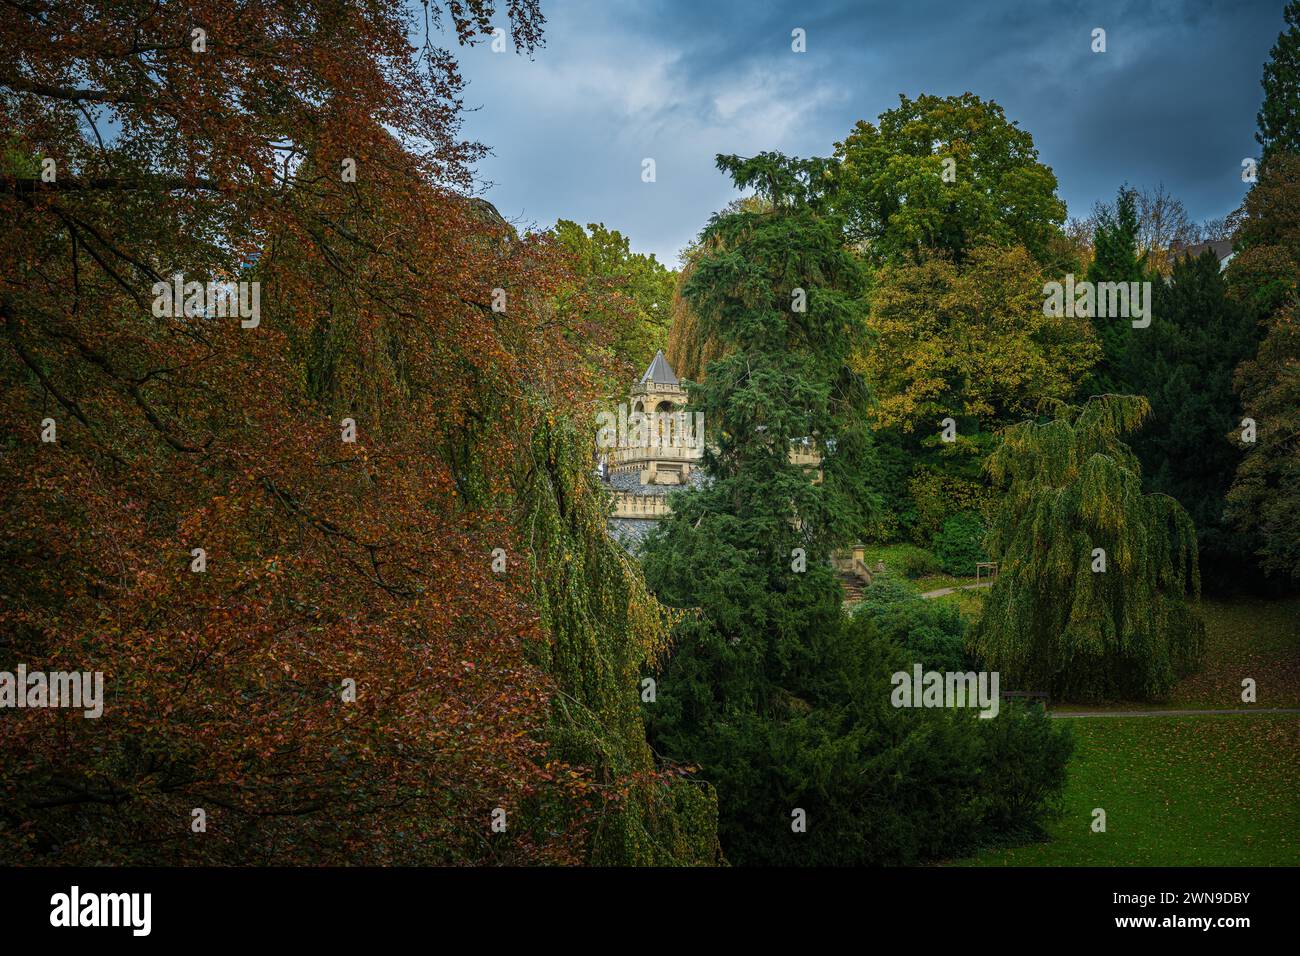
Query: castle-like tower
(664, 447)
(657, 450)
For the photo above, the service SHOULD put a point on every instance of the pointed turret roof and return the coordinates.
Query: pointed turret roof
(660, 372)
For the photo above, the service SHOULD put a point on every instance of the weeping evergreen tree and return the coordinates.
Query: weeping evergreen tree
(1098, 582)
(605, 631)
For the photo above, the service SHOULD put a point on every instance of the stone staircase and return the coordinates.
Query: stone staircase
(852, 587)
(853, 572)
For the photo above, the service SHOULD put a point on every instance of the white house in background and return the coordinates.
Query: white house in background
(1222, 251)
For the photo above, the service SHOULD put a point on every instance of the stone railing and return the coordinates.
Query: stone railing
(852, 561)
(657, 388)
(628, 505)
(639, 453)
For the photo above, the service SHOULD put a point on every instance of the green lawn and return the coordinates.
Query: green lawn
(1177, 791)
(1190, 791)
(1244, 637)
(971, 602)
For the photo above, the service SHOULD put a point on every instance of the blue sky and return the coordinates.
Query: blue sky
(1172, 100)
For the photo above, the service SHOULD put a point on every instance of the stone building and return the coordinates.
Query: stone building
(658, 450)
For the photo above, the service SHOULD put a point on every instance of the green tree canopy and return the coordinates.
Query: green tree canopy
(630, 293)
(783, 297)
(1265, 497)
(1185, 369)
(1116, 259)
(750, 662)
(783, 705)
(892, 188)
(969, 341)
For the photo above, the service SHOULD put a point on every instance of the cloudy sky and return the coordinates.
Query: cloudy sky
(1172, 100)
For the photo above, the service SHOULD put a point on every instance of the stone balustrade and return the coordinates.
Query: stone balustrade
(628, 505)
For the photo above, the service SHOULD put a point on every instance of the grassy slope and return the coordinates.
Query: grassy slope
(1259, 639)
(1243, 638)
(1180, 791)
(1177, 791)
(1191, 791)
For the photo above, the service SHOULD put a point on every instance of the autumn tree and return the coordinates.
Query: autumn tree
(969, 341)
(1097, 586)
(296, 541)
(1264, 500)
(969, 345)
(631, 292)
(1218, 228)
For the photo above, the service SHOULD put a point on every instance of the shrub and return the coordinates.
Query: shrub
(959, 545)
(918, 563)
(932, 632)
(879, 785)
(1026, 756)
(938, 497)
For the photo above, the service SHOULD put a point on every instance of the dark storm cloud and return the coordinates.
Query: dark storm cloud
(1173, 100)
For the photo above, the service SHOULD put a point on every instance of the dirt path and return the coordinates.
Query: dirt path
(941, 592)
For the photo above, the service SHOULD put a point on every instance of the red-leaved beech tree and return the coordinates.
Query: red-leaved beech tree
(275, 531)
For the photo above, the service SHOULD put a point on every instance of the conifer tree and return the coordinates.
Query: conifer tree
(781, 702)
(1185, 369)
(1279, 116)
(752, 547)
(1115, 244)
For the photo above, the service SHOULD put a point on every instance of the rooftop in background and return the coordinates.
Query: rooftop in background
(660, 372)
(1222, 250)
